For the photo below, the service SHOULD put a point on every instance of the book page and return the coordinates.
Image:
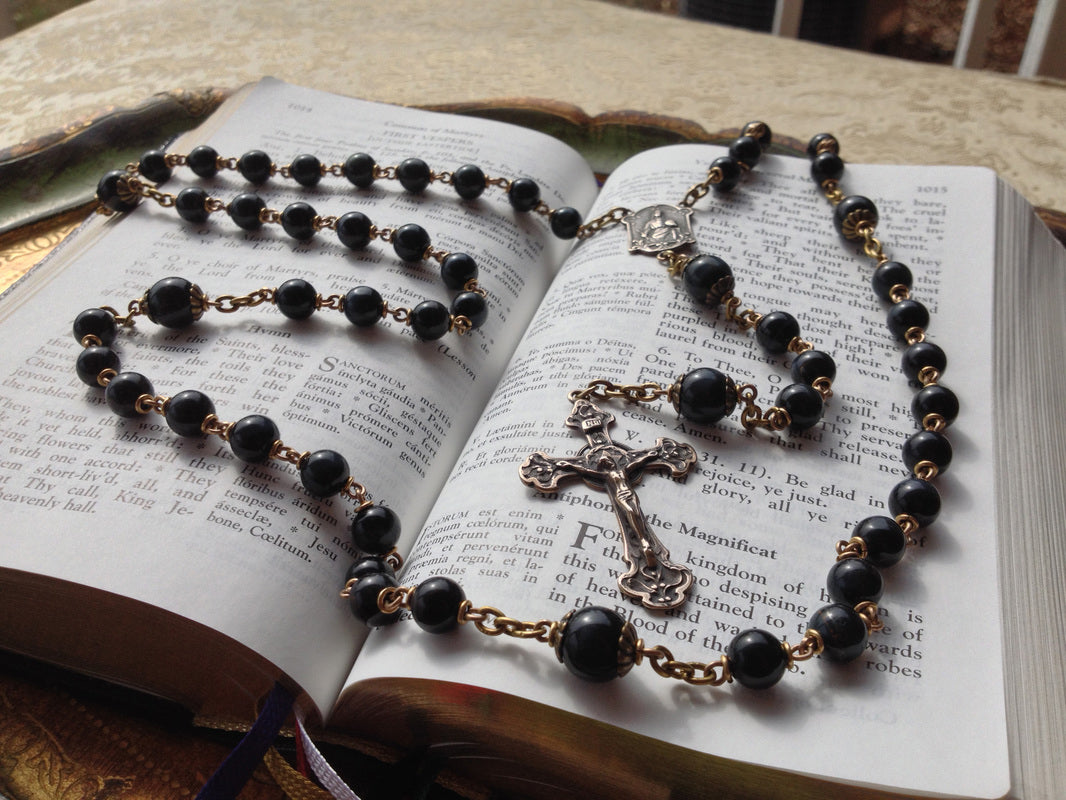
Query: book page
(128, 506)
(758, 518)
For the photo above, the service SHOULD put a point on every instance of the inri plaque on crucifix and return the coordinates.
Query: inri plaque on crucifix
(615, 469)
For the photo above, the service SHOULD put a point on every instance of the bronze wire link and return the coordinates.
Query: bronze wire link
(607, 220)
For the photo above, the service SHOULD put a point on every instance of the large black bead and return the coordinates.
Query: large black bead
(153, 165)
(746, 150)
(298, 220)
(252, 438)
(410, 242)
(565, 222)
(921, 355)
(761, 132)
(123, 390)
(324, 473)
(354, 230)
(705, 396)
(590, 644)
(457, 269)
(191, 204)
(114, 192)
(363, 306)
(359, 170)
(927, 446)
(888, 275)
(413, 174)
(468, 181)
(776, 330)
(203, 161)
(907, 314)
(296, 299)
(730, 172)
(803, 403)
(95, 322)
(884, 539)
(174, 303)
(822, 143)
(368, 565)
(430, 320)
(852, 213)
(186, 411)
(826, 167)
(935, 399)
(94, 360)
(435, 604)
(471, 305)
(363, 600)
(810, 365)
(375, 530)
(853, 581)
(842, 630)
(757, 659)
(306, 170)
(245, 210)
(916, 498)
(256, 166)
(523, 194)
(707, 278)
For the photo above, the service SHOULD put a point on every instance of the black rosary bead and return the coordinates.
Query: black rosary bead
(457, 269)
(296, 299)
(94, 360)
(375, 530)
(761, 132)
(363, 600)
(95, 322)
(410, 242)
(822, 143)
(842, 630)
(430, 320)
(590, 643)
(153, 165)
(705, 396)
(435, 605)
(851, 213)
(523, 194)
(826, 167)
(923, 355)
(363, 306)
(306, 170)
(191, 204)
(746, 150)
(298, 220)
(757, 659)
(927, 446)
(354, 230)
(884, 539)
(413, 175)
(252, 438)
(123, 391)
(916, 498)
(729, 170)
(804, 405)
(368, 565)
(203, 161)
(907, 314)
(810, 365)
(565, 222)
(359, 170)
(853, 581)
(114, 192)
(469, 181)
(324, 473)
(707, 279)
(186, 412)
(471, 305)
(246, 211)
(776, 330)
(174, 303)
(935, 399)
(256, 167)
(888, 275)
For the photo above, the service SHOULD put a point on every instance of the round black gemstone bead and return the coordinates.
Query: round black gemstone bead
(375, 530)
(822, 142)
(191, 204)
(884, 539)
(889, 274)
(435, 604)
(363, 600)
(707, 278)
(410, 242)
(826, 167)
(706, 396)
(95, 322)
(469, 181)
(761, 132)
(730, 171)
(186, 412)
(775, 330)
(853, 581)
(256, 166)
(306, 170)
(810, 365)
(252, 438)
(94, 360)
(921, 355)
(359, 170)
(757, 659)
(457, 269)
(851, 213)
(804, 405)
(123, 390)
(746, 150)
(245, 210)
(296, 299)
(298, 220)
(565, 222)
(324, 473)
(353, 230)
(153, 165)
(907, 314)
(523, 194)
(590, 643)
(363, 306)
(114, 192)
(471, 305)
(368, 565)
(917, 498)
(174, 303)
(935, 399)
(203, 161)
(413, 174)
(927, 446)
(430, 320)
(842, 630)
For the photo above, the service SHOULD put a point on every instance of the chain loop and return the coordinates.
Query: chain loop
(594, 226)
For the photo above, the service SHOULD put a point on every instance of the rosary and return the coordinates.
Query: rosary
(595, 643)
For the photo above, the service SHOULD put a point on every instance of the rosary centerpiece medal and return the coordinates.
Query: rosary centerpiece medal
(615, 469)
(658, 228)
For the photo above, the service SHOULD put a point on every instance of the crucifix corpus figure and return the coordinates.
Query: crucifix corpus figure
(604, 465)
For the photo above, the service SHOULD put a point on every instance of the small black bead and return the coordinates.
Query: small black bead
(363, 306)
(298, 220)
(706, 396)
(471, 305)
(457, 269)
(353, 230)
(776, 330)
(113, 191)
(921, 355)
(842, 630)
(203, 161)
(853, 581)
(410, 242)
(523, 194)
(730, 170)
(296, 299)
(94, 360)
(935, 399)
(306, 170)
(810, 365)
(826, 167)
(359, 170)
(324, 473)
(174, 303)
(244, 210)
(804, 405)
(590, 642)
(363, 600)
(186, 412)
(153, 165)
(368, 565)
(917, 498)
(468, 181)
(927, 446)
(853, 211)
(565, 222)
(822, 142)
(761, 132)
(123, 390)
(435, 604)
(746, 150)
(889, 274)
(757, 659)
(413, 174)
(252, 438)
(255, 166)
(95, 322)
(375, 530)
(191, 204)
(907, 314)
(884, 539)
(706, 279)
(430, 320)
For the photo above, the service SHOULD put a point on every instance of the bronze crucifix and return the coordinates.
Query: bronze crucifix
(613, 468)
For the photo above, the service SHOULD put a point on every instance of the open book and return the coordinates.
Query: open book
(167, 564)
